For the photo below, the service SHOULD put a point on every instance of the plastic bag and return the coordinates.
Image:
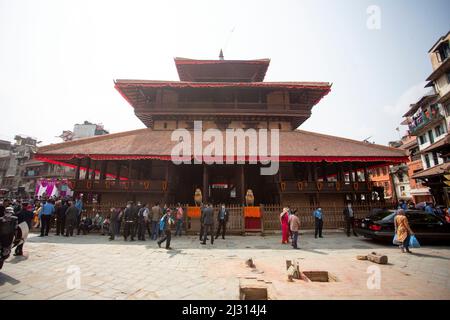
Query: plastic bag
(413, 242)
(395, 240)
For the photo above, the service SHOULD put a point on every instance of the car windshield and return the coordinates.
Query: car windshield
(382, 215)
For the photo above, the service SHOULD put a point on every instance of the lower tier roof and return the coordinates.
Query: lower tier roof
(294, 146)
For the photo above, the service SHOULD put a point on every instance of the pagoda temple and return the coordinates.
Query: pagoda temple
(314, 169)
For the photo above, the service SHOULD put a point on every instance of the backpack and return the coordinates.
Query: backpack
(162, 223)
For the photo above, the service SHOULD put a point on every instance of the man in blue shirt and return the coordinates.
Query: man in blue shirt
(318, 222)
(48, 208)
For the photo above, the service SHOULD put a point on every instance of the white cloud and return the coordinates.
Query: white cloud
(412, 95)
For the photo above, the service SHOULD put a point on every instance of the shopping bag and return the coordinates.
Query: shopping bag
(395, 240)
(413, 242)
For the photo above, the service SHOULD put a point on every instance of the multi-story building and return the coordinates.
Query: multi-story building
(428, 121)
(417, 191)
(83, 130)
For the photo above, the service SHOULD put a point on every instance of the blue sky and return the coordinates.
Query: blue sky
(58, 58)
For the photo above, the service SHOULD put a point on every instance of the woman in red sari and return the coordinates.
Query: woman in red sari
(284, 220)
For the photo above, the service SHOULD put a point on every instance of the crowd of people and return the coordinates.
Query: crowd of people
(135, 220)
(138, 219)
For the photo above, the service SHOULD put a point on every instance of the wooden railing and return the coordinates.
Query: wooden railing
(270, 215)
(119, 186)
(332, 215)
(324, 187)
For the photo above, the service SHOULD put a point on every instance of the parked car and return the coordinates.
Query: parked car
(380, 225)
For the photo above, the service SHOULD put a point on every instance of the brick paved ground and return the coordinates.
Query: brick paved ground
(140, 270)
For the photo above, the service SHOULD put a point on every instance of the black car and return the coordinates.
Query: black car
(380, 225)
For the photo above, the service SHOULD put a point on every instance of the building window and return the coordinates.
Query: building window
(402, 188)
(430, 135)
(435, 158)
(384, 171)
(165, 125)
(427, 161)
(438, 130)
(423, 139)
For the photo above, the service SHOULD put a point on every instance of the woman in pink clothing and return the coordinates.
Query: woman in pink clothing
(284, 220)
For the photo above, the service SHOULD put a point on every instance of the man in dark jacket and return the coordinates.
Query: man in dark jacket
(208, 223)
(60, 211)
(349, 219)
(71, 218)
(222, 219)
(113, 220)
(130, 221)
(24, 215)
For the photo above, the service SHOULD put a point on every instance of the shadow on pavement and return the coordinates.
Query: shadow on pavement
(4, 278)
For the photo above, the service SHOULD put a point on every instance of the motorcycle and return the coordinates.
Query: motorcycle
(12, 234)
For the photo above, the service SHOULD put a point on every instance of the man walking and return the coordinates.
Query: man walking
(79, 206)
(222, 219)
(45, 215)
(128, 218)
(208, 223)
(165, 224)
(60, 210)
(349, 219)
(156, 216)
(294, 226)
(179, 220)
(318, 221)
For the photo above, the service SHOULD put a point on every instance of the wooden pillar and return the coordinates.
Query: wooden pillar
(103, 167)
(118, 165)
(324, 171)
(88, 166)
(309, 172)
(94, 165)
(341, 172)
(130, 169)
(356, 175)
(77, 171)
(167, 177)
(314, 171)
(366, 175)
(350, 173)
(205, 183)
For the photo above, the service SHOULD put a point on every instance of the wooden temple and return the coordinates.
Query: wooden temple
(314, 169)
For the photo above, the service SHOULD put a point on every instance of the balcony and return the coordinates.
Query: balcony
(423, 121)
(132, 186)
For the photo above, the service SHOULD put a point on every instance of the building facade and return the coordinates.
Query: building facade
(428, 120)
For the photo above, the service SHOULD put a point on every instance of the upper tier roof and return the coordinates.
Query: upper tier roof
(221, 70)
